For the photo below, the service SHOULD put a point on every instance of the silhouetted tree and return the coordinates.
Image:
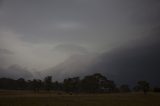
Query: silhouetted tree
(89, 84)
(97, 83)
(71, 84)
(21, 84)
(92, 83)
(8, 84)
(105, 85)
(57, 86)
(125, 88)
(144, 86)
(109, 86)
(35, 85)
(48, 83)
(136, 88)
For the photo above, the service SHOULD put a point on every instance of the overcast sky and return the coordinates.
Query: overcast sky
(43, 33)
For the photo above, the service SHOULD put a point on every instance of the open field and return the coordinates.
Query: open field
(21, 98)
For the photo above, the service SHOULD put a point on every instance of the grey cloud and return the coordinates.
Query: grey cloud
(35, 28)
(34, 19)
(1, 1)
(5, 52)
(70, 48)
(147, 14)
(4, 57)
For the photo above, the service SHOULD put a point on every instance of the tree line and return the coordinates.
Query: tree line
(95, 83)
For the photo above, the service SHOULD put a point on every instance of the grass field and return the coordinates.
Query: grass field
(21, 98)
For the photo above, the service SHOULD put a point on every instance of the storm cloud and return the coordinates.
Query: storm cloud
(42, 34)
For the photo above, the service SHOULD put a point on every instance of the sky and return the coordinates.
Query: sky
(40, 34)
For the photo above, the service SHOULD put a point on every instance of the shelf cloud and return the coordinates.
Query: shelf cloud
(42, 34)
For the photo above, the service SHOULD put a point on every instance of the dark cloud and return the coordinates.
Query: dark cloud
(137, 61)
(5, 52)
(30, 29)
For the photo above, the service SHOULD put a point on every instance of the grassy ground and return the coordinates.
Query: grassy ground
(20, 98)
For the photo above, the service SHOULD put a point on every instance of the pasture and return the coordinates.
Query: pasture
(28, 98)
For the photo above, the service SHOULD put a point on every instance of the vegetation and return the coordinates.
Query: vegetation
(144, 86)
(92, 90)
(124, 88)
(95, 83)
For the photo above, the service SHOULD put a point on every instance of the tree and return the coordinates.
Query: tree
(97, 83)
(136, 88)
(21, 84)
(89, 84)
(36, 85)
(9, 84)
(48, 83)
(125, 88)
(57, 86)
(144, 86)
(71, 84)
